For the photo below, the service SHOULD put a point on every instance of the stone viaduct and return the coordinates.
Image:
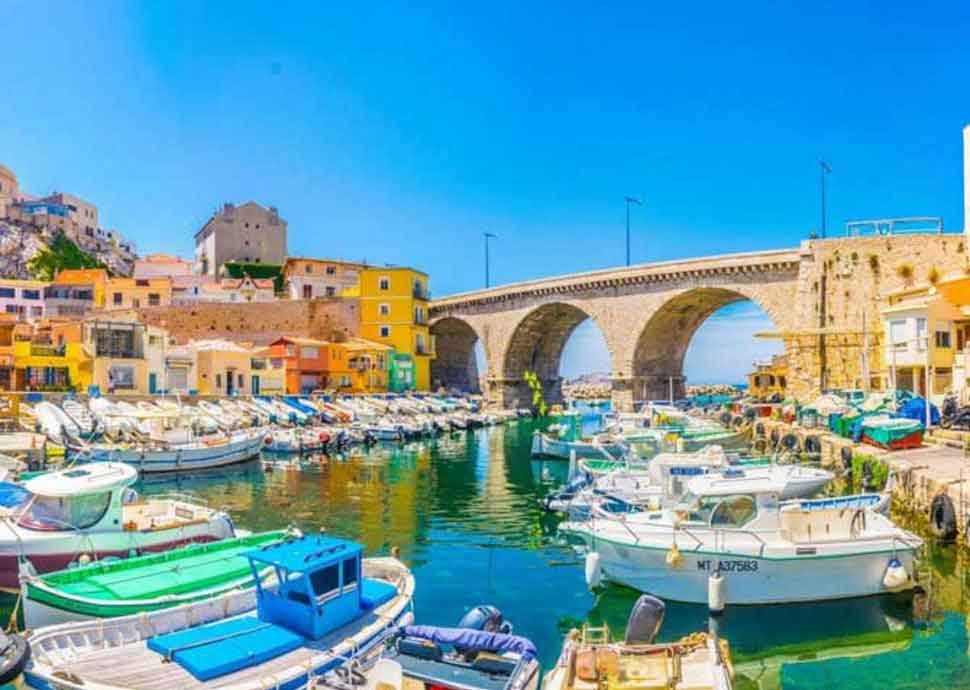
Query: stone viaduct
(823, 299)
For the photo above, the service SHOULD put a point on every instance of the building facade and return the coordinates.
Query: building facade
(76, 292)
(133, 293)
(248, 233)
(23, 299)
(161, 266)
(222, 367)
(314, 278)
(394, 312)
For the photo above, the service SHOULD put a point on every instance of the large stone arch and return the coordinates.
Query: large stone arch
(455, 365)
(536, 344)
(662, 342)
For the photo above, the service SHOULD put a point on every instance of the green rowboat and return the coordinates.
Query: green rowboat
(107, 589)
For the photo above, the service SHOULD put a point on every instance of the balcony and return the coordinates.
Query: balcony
(420, 293)
(47, 351)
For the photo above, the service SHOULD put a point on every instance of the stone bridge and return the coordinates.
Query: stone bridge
(823, 299)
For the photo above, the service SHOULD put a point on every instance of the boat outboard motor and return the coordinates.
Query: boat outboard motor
(645, 621)
(487, 618)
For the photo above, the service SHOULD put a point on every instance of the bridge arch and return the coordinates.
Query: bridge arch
(536, 344)
(455, 364)
(663, 341)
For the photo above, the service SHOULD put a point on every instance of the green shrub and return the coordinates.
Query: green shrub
(880, 472)
(60, 255)
(238, 270)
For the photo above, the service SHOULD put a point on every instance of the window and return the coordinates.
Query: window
(384, 309)
(307, 292)
(7, 292)
(30, 294)
(56, 513)
(331, 291)
(136, 303)
(309, 268)
(897, 334)
(921, 334)
(384, 283)
(141, 282)
(154, 299)
(331, 270)
(309, 352)
(36, 311)
(117, 298)
(13, 309)
(350, 573)
(943, 339)
(385, 331)
(240, 381)
(326, 581)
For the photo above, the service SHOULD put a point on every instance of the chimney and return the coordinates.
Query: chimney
(966, 180)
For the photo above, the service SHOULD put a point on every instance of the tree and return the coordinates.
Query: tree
(61, 254)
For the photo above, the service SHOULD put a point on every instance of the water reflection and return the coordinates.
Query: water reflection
(463, 509)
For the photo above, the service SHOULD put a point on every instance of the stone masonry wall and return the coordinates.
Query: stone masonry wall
(258, 323)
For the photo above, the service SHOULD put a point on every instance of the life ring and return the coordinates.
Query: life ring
(760, 445)
(943, 518)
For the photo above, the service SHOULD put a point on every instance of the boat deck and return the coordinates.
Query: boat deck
(135, 666)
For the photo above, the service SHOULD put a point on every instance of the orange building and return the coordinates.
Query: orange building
(304, 361)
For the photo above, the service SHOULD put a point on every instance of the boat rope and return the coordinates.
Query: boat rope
(12, 626)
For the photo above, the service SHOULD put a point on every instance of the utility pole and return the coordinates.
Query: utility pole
(824, 169)
(488, 236)
(629, 200)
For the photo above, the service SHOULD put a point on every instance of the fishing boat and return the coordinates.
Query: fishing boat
(481, 653)
(892, 433)
(327, 607)
(120, 587)
(736, 539)
(90, 512)
(591, 660)
(546, 445)
(214, 450)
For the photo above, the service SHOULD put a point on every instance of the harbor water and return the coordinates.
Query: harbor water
(463, 510)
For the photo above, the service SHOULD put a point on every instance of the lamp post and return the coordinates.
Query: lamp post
(488, 236)
(629, 200)
(824, 169)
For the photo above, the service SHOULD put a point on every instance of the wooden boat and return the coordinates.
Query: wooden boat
(90, 511)
(330, 606)
(590, 660)
(892, 433)
(111, 588)
(216, 450)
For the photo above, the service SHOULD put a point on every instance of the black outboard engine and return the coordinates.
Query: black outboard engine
(486, 618)
(645, 621)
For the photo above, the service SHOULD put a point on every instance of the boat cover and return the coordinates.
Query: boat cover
(211, 651)
(12, 495)
(375, 593)
(480, 640)
(915, 408)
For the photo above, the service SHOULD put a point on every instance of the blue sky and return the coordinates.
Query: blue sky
(402, 132)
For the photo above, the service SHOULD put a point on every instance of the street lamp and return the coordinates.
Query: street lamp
(824, 169)
(488, 236)
(629, 200)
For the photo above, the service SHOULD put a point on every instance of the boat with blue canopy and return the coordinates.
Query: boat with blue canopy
(328, 606)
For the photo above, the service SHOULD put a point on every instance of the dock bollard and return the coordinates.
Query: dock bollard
(715, 593)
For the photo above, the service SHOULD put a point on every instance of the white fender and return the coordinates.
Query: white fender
(896, 575)
(715, 592)
(594, 576)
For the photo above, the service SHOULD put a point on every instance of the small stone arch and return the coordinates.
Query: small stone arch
(661, 346)
(455, 365)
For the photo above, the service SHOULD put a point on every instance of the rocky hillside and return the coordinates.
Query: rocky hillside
(26, 252)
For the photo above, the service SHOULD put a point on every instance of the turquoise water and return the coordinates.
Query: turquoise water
(463, 511)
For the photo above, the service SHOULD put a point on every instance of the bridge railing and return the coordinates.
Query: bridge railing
(906, 225)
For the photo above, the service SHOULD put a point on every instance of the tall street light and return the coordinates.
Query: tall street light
(824, 169)
(629, 200)
(488, 236)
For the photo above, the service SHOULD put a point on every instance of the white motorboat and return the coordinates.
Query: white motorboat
(90, 511)
(732, 537)
(215, 450)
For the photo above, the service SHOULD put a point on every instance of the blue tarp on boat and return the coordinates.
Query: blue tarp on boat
(915, 409)
(466, 638)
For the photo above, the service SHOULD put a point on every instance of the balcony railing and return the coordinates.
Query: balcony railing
(46, 351)
(419, 293)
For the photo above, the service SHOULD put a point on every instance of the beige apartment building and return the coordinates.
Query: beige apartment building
(315, 278)
(248, 233)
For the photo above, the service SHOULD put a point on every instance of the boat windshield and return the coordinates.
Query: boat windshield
(719, 511)
(56, 513)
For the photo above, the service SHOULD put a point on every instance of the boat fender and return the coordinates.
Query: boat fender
(594, 575)
(725, 418)
(812, 445)
(84, 559)
(943, 518)
(268, 441)
(896, 575)
(715, 593)
(14, 654)
(674, 559)
(789, 441)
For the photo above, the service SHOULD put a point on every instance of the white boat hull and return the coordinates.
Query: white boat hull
(748, 579)
(239, 448)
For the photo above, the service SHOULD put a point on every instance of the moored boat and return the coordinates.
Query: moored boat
(892, 433)
(328, 606)
(216, 450)
(121, 587)
(90, 511)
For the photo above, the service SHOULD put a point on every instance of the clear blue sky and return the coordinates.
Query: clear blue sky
(400, 132)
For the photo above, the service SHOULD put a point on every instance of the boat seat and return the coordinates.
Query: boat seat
(494, 663)
(376, 593)
(211, 651)
(417, 647)
(808, 526)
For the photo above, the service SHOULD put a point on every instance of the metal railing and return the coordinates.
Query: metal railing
(906, 225)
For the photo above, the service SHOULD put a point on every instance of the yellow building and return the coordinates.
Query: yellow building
(268, 373)
(223, 368)
(75, 292)
(364, 365)
(394, 312)
(769, 378)
(132, 293)
(40, 367)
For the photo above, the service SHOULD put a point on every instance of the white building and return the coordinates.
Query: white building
(22, 299)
